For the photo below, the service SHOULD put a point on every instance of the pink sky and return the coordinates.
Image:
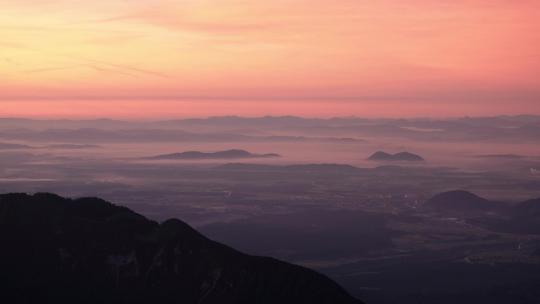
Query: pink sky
(165, 58)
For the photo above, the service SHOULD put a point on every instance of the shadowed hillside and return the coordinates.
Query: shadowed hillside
(57, 250)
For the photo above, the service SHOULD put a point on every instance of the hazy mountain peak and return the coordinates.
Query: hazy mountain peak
(227, 154)
(401, 156)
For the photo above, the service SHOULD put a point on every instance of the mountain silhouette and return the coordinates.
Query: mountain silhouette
(58, 250)
(525, 218)
(401, 156)
(460, 201)
(228, 154)
(520, 218)
(529, 208)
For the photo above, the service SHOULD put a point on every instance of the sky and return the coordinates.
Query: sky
(165, 58)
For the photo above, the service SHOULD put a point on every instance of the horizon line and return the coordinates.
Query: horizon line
(118, 119)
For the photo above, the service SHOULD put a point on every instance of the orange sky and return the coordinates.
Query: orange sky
(165, 58)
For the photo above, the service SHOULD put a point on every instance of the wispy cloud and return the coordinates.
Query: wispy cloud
(125, 68)
(53, 69)
(191, 16)
(95, 67)
(350, 50)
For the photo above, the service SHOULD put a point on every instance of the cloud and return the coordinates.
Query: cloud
(302, 49)
(179, 21)
(125, 68)
(97, 68)
(53, 69)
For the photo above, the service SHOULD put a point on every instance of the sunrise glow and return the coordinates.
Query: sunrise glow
(151, 58)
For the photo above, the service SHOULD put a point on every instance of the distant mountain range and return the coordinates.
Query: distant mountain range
(518, 129)
(198, 155)
(57, 250)
(165, 134)
(12, 146)
(401, 156)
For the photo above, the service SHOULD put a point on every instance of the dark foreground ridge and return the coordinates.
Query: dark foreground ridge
(57, 250)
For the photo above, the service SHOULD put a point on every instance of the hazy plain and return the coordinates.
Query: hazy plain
(321, 204)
